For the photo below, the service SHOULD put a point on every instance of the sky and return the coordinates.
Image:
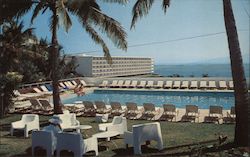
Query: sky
(192, 31)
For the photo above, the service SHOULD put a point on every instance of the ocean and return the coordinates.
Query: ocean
(197, 70)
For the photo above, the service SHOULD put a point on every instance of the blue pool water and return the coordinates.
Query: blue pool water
(179, 98)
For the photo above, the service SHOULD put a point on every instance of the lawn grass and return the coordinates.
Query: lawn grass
(174, 134)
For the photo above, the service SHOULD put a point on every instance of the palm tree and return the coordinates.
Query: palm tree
(88, 13)
(142, 7)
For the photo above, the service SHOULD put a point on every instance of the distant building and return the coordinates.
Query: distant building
(97, 66)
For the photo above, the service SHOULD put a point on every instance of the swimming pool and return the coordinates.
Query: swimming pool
(179, 98)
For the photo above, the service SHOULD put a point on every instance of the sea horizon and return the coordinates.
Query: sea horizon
(197, 70)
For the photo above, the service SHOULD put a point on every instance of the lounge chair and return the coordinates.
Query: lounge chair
(89, 108)
(126, 84)
(222, 85)
(36, 106)
(142, 84)
(69, 85)
(103, 84)
(132, 110)
(203, 84)
(149, 111)
(47, 107)
(194, 85)
(231, 85)
(192, 113)
(86, 84)
(133, 84)
(118, 124)
(77, 109)
(45, 140)
(211, 85)
(74, 83)
(169, 112)
(142, 133)
(113, 84)
(159, 84)
(101, 107)
(177, 84)
(61, 84)
(215, 114)
(74, 142)
(27, 123)
(230, 118)
(150, 84)
(37, 90)
(45, 89)
(168, 84)
(119, 84)
(184, 84)
(21, 97)
(116, 109)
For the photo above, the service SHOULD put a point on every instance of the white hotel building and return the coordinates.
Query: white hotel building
(97, 66)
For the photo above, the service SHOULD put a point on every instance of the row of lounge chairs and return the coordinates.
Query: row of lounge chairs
(47, 89)
(168, 84)
(150, 112)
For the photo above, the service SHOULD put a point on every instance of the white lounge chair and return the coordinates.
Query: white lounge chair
(119, 84)
(203, 84)
(133, 84)
(104, 84)
(118, 124)
(211, 85)
(150, 84)
(74, 142)
(168, 84)
(113, 84)
(37, 90)
(142, 84)
(194, 85)
(222, 85)
(231, 85)
(184, 84)
(62, 85)
(159, 84)
(74, 83)
(69, 85)
(142, 133)
(126, 84)
(69, 121)
(177, 84)
(45, 140)
(27, 123)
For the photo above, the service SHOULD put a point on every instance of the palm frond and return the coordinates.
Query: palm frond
(63, 14)
(51, 26)
(36, 11)
(13, 8)
(98, 40)
(116, 1)
(110, 27)
(140, 9)
(165, 5)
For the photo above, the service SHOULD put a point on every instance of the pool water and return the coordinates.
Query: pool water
(179, 98)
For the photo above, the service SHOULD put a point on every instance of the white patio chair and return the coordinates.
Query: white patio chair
(142, 133)
(27, 123)
(69, 121)
(118, 124)
(45, 140)
(75, 143)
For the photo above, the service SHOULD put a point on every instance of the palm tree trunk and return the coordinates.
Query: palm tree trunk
(54, 57)
(241, 137)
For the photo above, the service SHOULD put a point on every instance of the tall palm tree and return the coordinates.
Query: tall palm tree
(142, 7)
(88, 13)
